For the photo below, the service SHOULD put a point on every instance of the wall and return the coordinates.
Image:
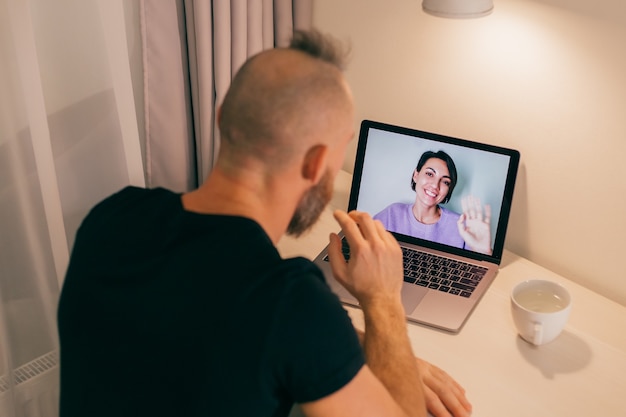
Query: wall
(544, 77)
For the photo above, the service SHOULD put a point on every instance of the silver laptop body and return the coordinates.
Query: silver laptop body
(385, 159)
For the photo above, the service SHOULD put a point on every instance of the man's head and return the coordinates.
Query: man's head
(284, 98)
(291, 105)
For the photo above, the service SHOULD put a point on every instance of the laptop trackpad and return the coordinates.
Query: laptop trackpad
(411, 296)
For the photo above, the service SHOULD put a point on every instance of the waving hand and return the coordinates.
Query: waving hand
(475, 225)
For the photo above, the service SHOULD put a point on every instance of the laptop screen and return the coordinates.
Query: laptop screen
(456, 180)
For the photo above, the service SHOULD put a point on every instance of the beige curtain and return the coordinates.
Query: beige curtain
(191, 50)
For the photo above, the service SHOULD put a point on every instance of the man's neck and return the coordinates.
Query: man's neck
(250, 196)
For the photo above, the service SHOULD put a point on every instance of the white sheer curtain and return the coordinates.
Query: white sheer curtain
(191, 50)
(68, 138)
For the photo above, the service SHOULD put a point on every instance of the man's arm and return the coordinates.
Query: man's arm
(364, 396)
(388, 353)
(390, 384)
(444, 395)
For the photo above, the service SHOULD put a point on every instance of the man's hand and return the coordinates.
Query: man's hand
(444, 396)
(375, 267)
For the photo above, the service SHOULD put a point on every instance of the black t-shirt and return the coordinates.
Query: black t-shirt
(166, 312)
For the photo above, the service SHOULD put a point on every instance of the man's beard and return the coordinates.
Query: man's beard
(311, 206)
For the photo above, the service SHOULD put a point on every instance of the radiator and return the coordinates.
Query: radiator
(33, 390)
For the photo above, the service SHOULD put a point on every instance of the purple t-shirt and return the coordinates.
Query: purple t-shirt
(398, 217)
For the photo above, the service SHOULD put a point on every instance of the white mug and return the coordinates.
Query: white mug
(540, 310)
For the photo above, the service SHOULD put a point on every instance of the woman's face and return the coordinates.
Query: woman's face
(432, 182)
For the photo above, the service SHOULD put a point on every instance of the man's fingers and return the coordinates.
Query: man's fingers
(384, 234)
(445, 404)
(444, 395)
(335, 257)
(347, 223)
(358, 226)
(365, 223)
(375, 265)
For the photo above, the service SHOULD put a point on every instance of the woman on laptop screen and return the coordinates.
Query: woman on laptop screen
(433, 181)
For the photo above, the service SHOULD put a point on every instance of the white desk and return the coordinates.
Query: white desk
(581, 373)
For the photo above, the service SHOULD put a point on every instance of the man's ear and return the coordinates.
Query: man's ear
(315, 162)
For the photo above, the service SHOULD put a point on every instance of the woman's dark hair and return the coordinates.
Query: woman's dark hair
(451, 168)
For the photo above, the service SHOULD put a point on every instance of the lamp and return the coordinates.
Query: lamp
(458, 8)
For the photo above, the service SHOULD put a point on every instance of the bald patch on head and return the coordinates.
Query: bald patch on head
(281, 101)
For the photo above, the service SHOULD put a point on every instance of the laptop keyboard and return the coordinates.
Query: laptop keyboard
(436, 272)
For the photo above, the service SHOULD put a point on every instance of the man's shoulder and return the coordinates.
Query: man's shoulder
(132, 198)
(297, 272)
(132, 194)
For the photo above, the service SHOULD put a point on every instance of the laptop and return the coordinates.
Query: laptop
(445, 277)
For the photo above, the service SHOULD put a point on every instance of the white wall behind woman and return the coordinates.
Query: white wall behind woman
(545, 77)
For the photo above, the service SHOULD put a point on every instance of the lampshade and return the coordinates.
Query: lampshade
(458, 8)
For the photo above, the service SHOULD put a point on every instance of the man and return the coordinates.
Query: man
(180, 305)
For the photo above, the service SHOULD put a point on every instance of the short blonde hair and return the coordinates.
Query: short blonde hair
(280, 96)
